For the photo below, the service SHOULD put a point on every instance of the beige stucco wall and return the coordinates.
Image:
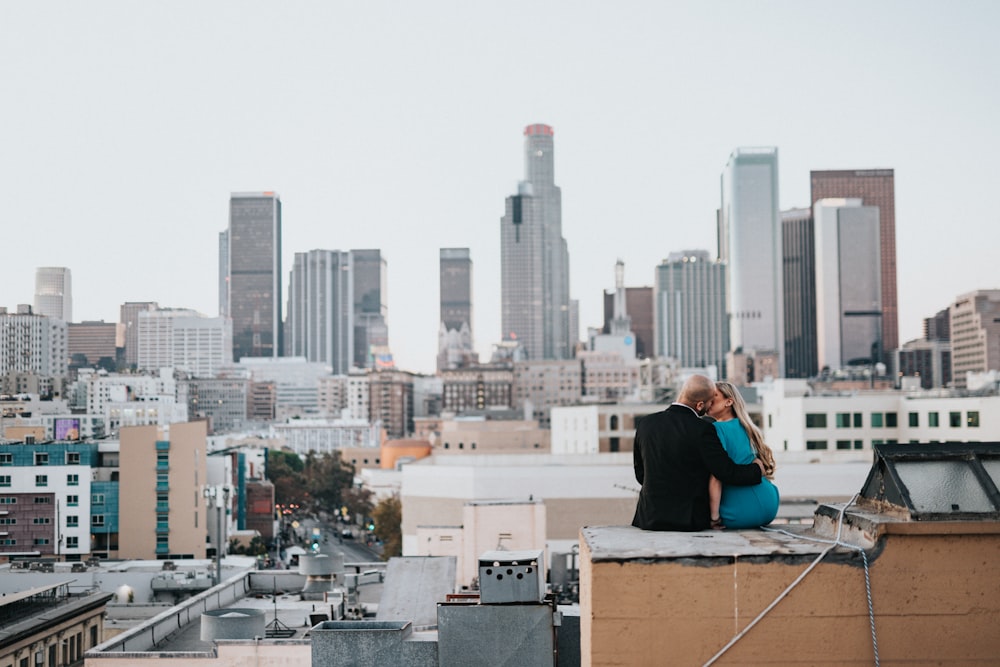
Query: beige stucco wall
(563, 516)
(566, 516)
(936, 600)
(137, 491)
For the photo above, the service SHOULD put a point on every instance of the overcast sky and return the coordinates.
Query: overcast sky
(124, 127)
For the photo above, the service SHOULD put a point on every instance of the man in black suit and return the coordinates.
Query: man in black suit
(675, 451)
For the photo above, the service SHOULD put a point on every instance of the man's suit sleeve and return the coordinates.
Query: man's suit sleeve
(719, 464)
(637, 457)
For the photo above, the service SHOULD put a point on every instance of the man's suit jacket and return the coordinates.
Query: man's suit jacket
(675, 451)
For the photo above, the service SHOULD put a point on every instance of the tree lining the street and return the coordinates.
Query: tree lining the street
(316, 483)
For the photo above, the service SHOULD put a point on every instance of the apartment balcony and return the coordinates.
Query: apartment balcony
(162, 486)
(162, 528)
(162, 507)
(162, 466)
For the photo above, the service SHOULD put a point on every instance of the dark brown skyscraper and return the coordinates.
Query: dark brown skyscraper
(455, 331)
(875, 187)
(799, 264)
(250, 265)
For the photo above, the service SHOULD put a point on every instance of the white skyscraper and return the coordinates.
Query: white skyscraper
(54, 292)
(320, 323)
(690, 309)
(750, 243)
(848, 283)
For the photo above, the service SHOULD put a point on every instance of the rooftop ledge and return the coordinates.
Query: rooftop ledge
(626, 543)
(863, 526)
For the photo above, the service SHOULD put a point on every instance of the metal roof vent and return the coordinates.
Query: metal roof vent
(232, 623)
(320, 571)
(937, 482)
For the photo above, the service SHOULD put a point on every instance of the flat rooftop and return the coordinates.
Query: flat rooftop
(626, 543)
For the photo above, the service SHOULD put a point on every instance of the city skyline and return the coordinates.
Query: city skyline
(134, 124)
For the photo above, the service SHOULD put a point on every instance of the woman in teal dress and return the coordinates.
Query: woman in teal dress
(741, 506)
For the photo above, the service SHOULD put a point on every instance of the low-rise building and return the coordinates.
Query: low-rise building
(797, 418)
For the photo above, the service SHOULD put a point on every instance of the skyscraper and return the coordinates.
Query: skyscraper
(130, 321)
(874, 187)
(455, 347)
(750, 243)
(252, 263)
(975, 334)
(798, 260)
(54, 292)
(848, 290)
(320, 324)
(534, 260)
(371, 306)
(691, 322)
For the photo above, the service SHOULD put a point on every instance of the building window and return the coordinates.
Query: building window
(843, 444)
(72, 542)
(72, 458)
(4, 480)
(891, 420)
(858, 444)
(815, 420)
(876, 420)
(72, 521)
(914, 419)
(41, 480)
(41, 458)
(41, 541)
(8, 521)
(843, 420)
(72, 501)
(955, 419)
(815, 444)
(41, 520)
(97, 499)
(6, 459)
(97, 520)
(972, 419)
(8, 500)
(43, 500)
(932, 419)
(73, 480)
(857, 420)
(8, 542)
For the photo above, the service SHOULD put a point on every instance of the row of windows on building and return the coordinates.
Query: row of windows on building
(890, 419)
(42, 480)
(846, 444)
(72, 542)
(71, 500)
(41, 458)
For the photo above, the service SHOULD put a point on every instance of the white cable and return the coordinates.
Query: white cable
(834, 543)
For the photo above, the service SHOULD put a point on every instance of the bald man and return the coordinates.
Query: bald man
(675, 451)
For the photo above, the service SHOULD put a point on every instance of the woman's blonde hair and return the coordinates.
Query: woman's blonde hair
(756, 437)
